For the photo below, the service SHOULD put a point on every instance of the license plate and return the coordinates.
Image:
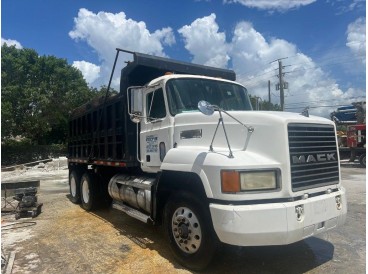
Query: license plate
(320, 207)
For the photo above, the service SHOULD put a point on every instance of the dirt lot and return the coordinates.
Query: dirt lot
(67, 239)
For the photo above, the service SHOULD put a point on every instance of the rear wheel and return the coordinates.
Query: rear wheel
(89, 192)
(74, 187)
(189, 230)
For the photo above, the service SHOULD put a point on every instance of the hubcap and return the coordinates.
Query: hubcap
(186, 230)
(85, 191)
(183, 231)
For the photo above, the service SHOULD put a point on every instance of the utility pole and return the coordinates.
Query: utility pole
(269, 92)
(281, 85)
(281, 81)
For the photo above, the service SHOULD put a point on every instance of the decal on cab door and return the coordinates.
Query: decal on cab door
(151, 144)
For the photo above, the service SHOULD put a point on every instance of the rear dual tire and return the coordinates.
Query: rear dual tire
(74, 187)
(90, 198)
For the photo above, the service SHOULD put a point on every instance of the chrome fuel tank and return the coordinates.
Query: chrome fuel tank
(132, 190)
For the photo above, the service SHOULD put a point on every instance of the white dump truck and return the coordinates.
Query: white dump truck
(181, 147)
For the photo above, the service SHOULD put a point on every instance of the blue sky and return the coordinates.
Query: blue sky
(323, 40)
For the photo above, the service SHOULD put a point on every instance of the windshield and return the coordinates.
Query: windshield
(184, 94)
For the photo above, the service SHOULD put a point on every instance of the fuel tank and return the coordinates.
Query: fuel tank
(132, 190)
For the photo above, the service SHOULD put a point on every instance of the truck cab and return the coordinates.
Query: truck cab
(173, 97)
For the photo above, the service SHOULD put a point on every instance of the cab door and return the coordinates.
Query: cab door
(155, 130)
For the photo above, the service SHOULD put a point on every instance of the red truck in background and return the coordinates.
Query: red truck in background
(352, 137)
(353, 144)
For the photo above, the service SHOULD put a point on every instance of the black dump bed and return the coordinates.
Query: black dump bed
(101, 132)
(145, 68)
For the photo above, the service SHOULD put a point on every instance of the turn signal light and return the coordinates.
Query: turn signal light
(230, 181)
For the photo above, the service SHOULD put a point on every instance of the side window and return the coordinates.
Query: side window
(156, 105)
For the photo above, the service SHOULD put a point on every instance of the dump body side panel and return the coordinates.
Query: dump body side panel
(102, 133)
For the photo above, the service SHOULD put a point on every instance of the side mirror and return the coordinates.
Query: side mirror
(135, 103)
(206, 108)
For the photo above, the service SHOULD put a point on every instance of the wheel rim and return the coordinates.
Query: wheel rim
(73, 186)
(186, 230)
(85, 191)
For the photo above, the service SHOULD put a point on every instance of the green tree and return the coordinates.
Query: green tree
(37, 95)
(263, 105)
(102, 91)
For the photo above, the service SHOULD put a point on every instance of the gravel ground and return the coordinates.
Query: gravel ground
(67, 239)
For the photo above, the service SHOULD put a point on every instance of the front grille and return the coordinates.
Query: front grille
(313, 156)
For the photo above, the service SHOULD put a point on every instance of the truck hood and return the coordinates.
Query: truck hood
(195, 129)
(251, 117)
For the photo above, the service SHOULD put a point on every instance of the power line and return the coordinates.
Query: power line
(315, 52)
(302, 104)
(317, 106)
(314, 62)
(252, 83)
(327, 100)
(330, 64)
(322, 60)
(257, 76)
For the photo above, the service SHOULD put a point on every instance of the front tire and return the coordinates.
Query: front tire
(188, 227)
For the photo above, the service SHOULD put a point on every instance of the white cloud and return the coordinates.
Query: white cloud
(203, 39)
(90, 71)
(165, 35)
(11, 42)
(343, 6)
(280, 5)
(356, 4)
(356, 38)
(251, 54)
(105, 32)
(248, 51)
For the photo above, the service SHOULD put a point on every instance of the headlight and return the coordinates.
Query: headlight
(233, 181)
(262, 180)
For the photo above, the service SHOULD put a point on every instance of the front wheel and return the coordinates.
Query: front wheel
(188, 227)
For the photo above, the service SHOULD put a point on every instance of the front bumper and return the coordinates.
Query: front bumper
(277, 223)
